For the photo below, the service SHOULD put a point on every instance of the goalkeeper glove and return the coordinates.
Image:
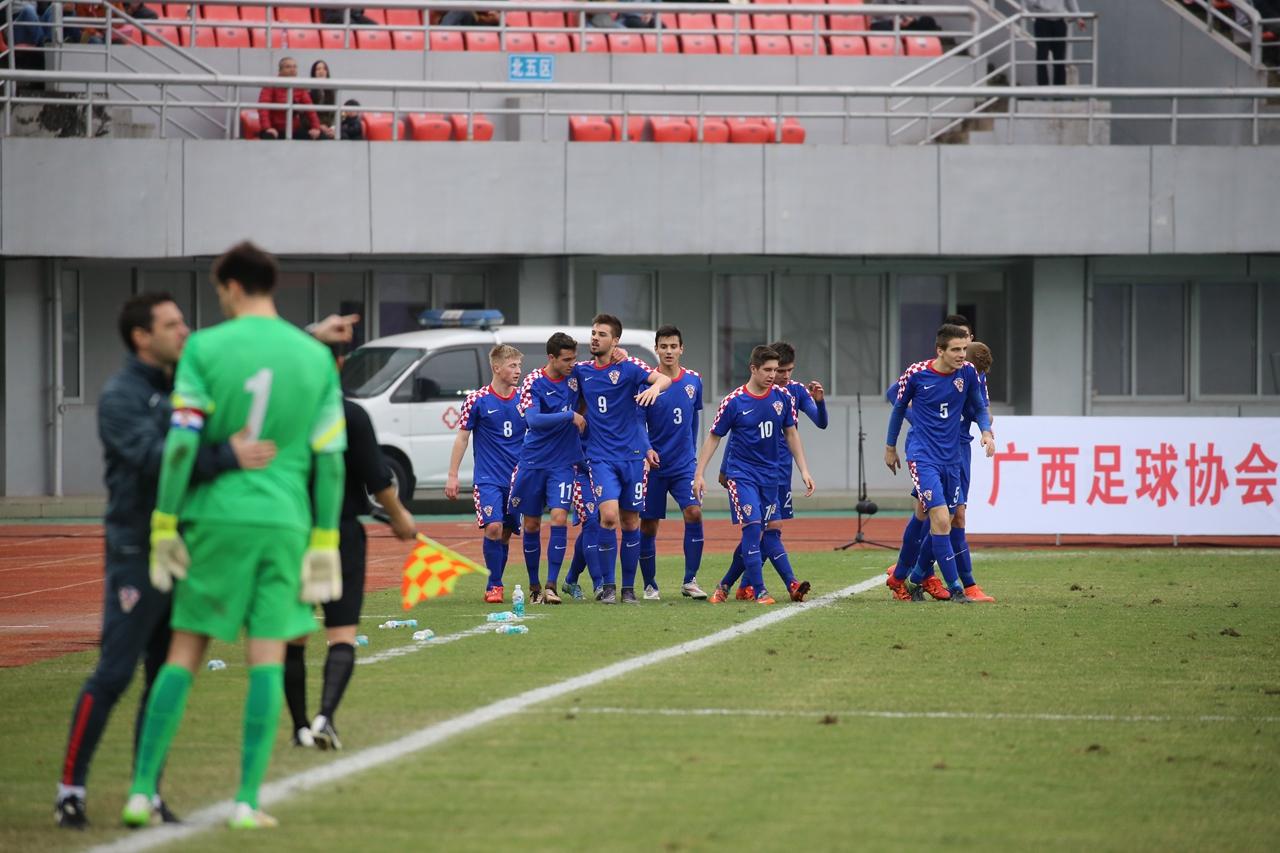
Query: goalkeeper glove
(321, 568)
(169, 558)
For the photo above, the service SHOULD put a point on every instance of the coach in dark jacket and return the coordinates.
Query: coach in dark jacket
(133, 419)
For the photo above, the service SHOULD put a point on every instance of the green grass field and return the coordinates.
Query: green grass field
(1112, 700)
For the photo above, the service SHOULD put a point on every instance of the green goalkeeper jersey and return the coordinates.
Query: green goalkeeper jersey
(266, 375)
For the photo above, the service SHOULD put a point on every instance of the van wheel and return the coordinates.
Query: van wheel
(400, 476)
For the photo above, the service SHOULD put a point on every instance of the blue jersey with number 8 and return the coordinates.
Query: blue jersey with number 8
(497, 428)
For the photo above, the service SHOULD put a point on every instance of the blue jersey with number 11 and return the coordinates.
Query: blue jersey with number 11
(753, 425)
(498, 429)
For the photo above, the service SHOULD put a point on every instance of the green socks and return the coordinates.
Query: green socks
(262, 707)
(165, 706)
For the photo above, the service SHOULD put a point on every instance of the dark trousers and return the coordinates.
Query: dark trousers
(135, 624)
(1051, 47)
(921, 24)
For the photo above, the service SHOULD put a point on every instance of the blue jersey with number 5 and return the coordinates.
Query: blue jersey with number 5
(937, 403)
(753, 425)
(497, 429)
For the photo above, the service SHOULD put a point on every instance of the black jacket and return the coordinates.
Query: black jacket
(133, 420)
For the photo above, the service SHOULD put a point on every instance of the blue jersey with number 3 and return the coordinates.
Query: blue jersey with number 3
(753, 425)
(497, 429)
(673, 422)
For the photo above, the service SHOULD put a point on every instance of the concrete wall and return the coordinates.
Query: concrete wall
(26, 383)
(195, 198)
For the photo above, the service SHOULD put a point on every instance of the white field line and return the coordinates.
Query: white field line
(417, 645)
(438, 733)
(49, 589)
(907, 715)
(982, 553)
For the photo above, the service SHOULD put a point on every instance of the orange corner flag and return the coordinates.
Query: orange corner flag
(431, 571)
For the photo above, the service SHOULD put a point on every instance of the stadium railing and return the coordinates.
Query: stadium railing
(1244, 24)
(789, 102)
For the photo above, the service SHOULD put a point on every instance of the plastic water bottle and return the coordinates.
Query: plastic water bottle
(424, 635)
(511, 629)
(501, 616)
(362, 639)
(399, 623)
(517, 602)
(215, 665)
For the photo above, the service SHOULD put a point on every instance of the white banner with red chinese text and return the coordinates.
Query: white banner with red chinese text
(1132, 476)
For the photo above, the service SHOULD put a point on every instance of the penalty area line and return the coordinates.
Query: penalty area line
(865, 713)
(437, 733)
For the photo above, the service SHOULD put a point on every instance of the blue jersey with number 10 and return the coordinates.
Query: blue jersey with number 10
(498, 429)
(753, 425)
(673, 422)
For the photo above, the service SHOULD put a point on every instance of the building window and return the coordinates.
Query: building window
(858, 342)
(982, 299)
(1139, 334)
(922, 306)
(627, 296)
(742, 323)
(70, 320)
(402, 297)
(294, 299)
(457, 290)
(343, 293)
(804, 320)
(1238, 338)
(1270, 355)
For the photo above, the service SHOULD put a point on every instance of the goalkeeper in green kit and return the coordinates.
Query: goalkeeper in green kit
(238, 546)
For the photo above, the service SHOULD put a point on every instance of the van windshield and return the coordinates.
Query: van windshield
(370, 370)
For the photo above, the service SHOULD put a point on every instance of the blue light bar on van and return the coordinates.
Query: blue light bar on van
(436, 318)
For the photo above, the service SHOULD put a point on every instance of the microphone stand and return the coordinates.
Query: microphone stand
(864, 507)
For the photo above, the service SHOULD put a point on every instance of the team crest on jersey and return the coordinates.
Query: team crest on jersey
(591, 507)
(515, 501)
(573, 384)
(599, 490)
(959, 383)
(688, 389)
(488, 511)
(746, 510)
(614, 376)
(926, 495)
(129, 598)
(777, 406)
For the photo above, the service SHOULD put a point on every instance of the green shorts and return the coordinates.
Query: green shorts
(241, 575)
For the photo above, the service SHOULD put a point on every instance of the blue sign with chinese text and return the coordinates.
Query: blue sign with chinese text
(531, 68)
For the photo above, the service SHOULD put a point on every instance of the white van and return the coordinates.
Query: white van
(413, 385)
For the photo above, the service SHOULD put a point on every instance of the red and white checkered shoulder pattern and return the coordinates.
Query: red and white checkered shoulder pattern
(791, 398)
(639, 362)
(464, 422)
(692, 372)
(724, 404)
(908, 373)
(526, 394)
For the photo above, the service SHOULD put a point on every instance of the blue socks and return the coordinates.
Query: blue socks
(946, 558)
(556, 547)
(532, 554)
(608, 555)
(772, 548)
(692, 550)
(649, 559)
(924, 563)
(736, 568)
(752, 559)
(630, 556)
(494, 560)
(964, 565)
(911, 542)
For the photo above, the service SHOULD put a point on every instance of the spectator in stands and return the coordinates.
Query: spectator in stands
(914, 23)
(352, 127)
(306, 124)
(467, 18)
(138, 10)
(1051, 37)
(30, 27)
(633, 20)
(324, 97)
(334, 16)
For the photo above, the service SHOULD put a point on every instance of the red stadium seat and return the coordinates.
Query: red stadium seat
(258, 37)
(769, 44)
(792, 131)
(481, 127)
(589, 129)
(204, 37)
(749, 131)
(249, 127)
(626, 43)
(846, 23)
(219, 13)
(293, 14)
(848, 46)
(595, 42)
(180, 11)
(802, 44)
(746, 44)
(714, 130)
(520, 43)
(883, 46)
(922, 45)
(408, 40)
(669, 42)
(428, 127)
(404, 17)
(481, 40)
(334, 39)
(553, 42)
(380, 127)
(670, 129)
(367, 39)
(303, 39)
(164, 31)
(231, 36)
(378, 16)
(253, 13)
(446, 41)
(635, 128)
(695, 43)
(126, 34)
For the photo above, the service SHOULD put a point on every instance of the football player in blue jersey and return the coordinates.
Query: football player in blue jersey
(938, 392)
(493, 414)
(611, 393)
(673, 436)
(548, 461)
(753, 416)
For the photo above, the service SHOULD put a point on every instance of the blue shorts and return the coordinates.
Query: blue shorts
(584, 497)
(783, 503)
(935, 484)
(750, 502)
(533, 489)
(678, 484)
(491, 506)
(622, 481)
(966, 456)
